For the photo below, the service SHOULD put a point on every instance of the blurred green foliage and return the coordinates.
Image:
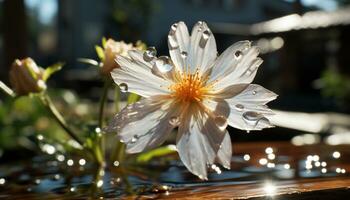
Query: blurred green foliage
(335, 85)
(23, 119)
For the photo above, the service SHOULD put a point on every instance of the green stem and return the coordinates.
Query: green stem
(117, 99)
(46, 100)
(103, 100)
(58, 117)
(101, 141)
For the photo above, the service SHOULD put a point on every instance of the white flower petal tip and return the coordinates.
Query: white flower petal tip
(202, 177)
(203, 92)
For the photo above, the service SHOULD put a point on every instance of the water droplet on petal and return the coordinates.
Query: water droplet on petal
(123, 87)
(134, 139)
(254, 92)
(174, 121)
(184, 54)
(149, 54)
(239, 107)
(252, 117)
(173, 29)
(238, 55)
(204, 39)
(163, 64)
(221, 121)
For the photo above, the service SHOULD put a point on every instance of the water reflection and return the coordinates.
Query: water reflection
(165, 178)
(270, 189)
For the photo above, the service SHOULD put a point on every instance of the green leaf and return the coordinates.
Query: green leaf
(161, 151)
(6, 89)
(132, 98)
(51, 70)
(104, 41)
(100, 52)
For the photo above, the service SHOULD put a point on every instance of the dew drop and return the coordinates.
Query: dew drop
(221, 121)
(173, 29)
(239, 107)
(149, 54)
(204, 39)
(184, 54)
(174, 121)
(251, 117)
(238, 55)
(134, 139)
(163, 64)
(254, 92)
(200, 23)
(123, 87)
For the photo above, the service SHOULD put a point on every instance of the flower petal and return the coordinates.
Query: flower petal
(225, 152)
(236, 65)
(178, 42)
(138, 79)
(137, 56)
(199, 140)
(248, 110)
(202, 50)
(144, 124)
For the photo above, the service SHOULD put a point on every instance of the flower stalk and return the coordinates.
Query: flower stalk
(46, 100)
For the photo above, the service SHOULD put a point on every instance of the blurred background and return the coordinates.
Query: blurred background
(305, 45)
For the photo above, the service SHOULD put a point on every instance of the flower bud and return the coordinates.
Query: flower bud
(111, 50)
(26, 77)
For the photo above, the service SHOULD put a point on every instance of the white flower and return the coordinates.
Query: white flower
(111, 50)
(195, 91)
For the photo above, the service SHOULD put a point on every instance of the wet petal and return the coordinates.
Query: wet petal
(202, 50)
(253, 94)
(138, 57)
(225, 152)
(138, 79)
(178, 42)
(236, 65)
(144, 124)
(247, 110)
(199, 140)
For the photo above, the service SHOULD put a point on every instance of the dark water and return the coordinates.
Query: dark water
(52, 177)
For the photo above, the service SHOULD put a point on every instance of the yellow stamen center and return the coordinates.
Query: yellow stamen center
(189, 87)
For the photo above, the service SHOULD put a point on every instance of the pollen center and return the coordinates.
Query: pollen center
(189, 87)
